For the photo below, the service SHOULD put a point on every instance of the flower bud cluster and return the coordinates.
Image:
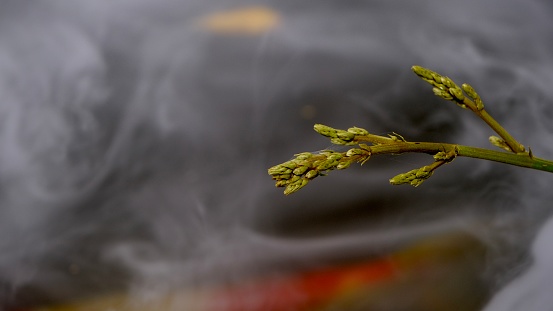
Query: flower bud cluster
(414, 177)
(296, 173)
(340, 137)
(469, 90)
(499, 142)
(445, 156)
(444, 87)
(434, 78)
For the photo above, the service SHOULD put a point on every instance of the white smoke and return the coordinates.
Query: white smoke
(134, 143)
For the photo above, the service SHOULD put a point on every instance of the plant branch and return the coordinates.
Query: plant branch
(296, 173)
(521, 159)
(513, 144)
(466, 97)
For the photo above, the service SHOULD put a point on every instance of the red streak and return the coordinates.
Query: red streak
(304, 292)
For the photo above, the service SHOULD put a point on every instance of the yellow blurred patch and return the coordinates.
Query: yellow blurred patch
(245, 21)
(189, 301)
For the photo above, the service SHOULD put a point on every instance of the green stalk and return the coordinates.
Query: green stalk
(515, 146)
(521, 159)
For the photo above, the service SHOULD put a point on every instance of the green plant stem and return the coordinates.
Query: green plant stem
(521, 159)
(515, 146)
(386, 146)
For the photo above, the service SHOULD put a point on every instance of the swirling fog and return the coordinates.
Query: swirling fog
(135, 138)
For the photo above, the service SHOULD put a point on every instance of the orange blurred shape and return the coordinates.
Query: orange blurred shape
(245, 21)
(307, 291)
